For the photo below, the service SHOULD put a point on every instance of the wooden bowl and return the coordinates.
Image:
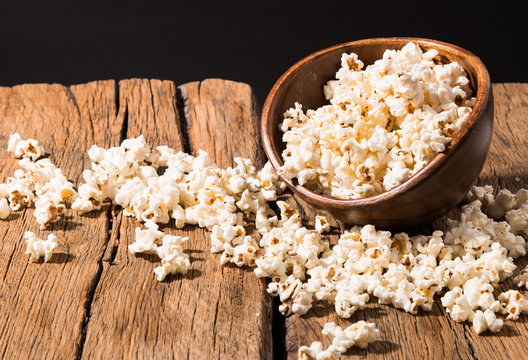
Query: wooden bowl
(431, 192)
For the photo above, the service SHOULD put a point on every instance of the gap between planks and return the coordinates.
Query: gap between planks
(110, 214)
(114, 219)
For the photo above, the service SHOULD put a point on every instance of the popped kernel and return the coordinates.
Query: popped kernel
(384, 123)
(38, 248)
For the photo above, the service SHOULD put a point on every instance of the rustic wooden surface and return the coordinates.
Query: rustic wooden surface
(43, 307)
(95, 300)
(433, 335)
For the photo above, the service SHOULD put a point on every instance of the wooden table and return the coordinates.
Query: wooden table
(95, 300)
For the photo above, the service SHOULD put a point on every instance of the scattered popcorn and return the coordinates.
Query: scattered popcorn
(460, 265)
(350, 296)
(315, 352)
(473, 254)
(512, 207)
(457, 305)
(518, 220)
(522, 279)
(384, 122)
(503, 202)
(147, 240)
(39, 183)
(190, 190)
(482, 193)
(294, 297)
(359, 334)
(39, 248)
(173, 259)
(513, 304)
(321, 224)
(4, 209)
(24, 148)
(483, 321)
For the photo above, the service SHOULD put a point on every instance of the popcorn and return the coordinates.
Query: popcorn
(315, 352)
(498, 207)
(46, 211)
(513, 304)
(243, 253)
(479, 294)
(24, 148)
(473, 254)
(350, 296)
(383, 123)
(294, 297)
(289, 243)
(457, 305)
(190, 190)
(173, 259)
(37, 182)
(178, 214)
(38, 248)
(359, 334)
(154, 187)
(518, 220)
(483, 321)
(321, 224)
(168, 247)
(522, 279)
(4, 209)
(322, 282)
(513, 207)
(147, 240)
(482, 193)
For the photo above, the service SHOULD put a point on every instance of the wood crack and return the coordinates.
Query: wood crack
(124, 127)
(10, 256)
(110, 216)
(93, 286)
(469, 344)
(71, 96)
(278, 332)
(184, 122)
(88, 304)
(115, 222)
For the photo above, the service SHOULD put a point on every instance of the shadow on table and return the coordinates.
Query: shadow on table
(378, 347)
(61, 258)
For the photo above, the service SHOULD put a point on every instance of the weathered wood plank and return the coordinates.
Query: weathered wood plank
(43, 307)
(433, 335)
(223, 121)
(46, 310)
(507, 167)
(213, 311)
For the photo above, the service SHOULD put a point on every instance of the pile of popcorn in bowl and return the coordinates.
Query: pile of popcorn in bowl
(383, 123)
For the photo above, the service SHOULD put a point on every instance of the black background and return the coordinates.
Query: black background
(72, 42)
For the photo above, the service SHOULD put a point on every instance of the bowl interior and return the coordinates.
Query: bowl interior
(303, 82)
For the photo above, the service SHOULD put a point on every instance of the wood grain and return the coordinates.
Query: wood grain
(94, 300)
(213, 312)
(223, 120)
(433, 335)
(507, 167)
(43, 307)
(400, 331)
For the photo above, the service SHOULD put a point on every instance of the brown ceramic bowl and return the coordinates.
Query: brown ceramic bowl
(431, 192)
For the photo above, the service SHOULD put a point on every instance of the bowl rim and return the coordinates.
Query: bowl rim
(481, 99)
